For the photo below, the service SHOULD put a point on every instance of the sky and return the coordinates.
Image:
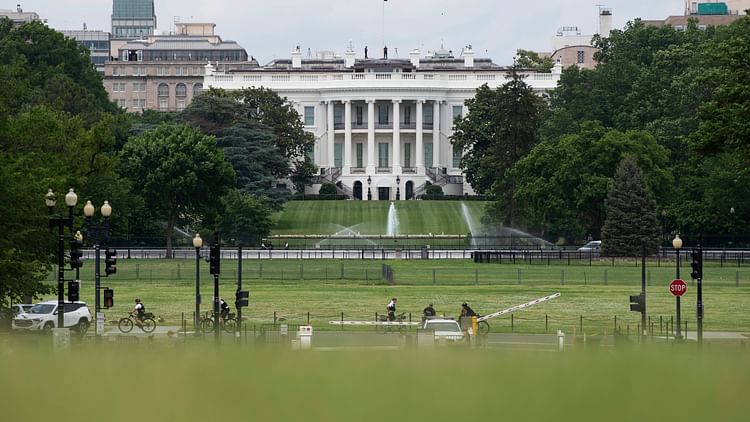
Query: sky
(271, 29)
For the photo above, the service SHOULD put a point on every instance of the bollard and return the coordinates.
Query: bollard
(546, 323)
(274, 317)
(560, 340)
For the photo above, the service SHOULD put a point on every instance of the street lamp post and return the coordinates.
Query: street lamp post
(731, 225)
(369, 191)
(677, 245)
(398, 188)
(197, 244)
(71, 199)
(98, 234)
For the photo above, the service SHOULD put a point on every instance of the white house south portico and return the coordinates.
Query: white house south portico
(381, 126)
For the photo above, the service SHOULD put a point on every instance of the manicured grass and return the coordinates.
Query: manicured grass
(199, 382)
(326, 288)
(371, 217)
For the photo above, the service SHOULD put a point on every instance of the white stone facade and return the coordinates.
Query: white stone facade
(351, 107)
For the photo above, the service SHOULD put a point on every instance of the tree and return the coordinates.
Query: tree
(245, 218)
(179, 172)
(562, 185)
(500, 129)
(250, 148)
(528, 59)
(631, 221)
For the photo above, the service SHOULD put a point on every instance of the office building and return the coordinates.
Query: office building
(133, 18)
(165, 72)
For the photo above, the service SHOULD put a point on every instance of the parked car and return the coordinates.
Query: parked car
(445, 329)
(592, 246)
(43, 316)
(19, 309)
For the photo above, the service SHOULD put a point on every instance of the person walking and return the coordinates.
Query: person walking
(391, 308)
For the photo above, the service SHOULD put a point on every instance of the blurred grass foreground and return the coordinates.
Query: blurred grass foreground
(202, 382)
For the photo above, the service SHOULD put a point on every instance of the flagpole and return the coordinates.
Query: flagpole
(383, 23)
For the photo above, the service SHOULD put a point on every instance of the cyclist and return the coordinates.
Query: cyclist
(428, 312)
(140, 311)
(224, 310)
(467, 311)
(391, 308)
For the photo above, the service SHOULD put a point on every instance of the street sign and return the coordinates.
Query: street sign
(677, 287)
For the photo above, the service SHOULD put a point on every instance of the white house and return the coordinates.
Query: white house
(382, 125)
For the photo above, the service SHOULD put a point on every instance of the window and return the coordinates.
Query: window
(181, 90)
(180, 103)
(383, 154)
(427, 113)
(122, 103)
(360, 160)
(139, 103)
(337, 155)
(177, 71)
(580, 59)
(383, 114)
(358, 114)
(456, 157)
(118, 71)
(458, 112)
(428, 155)
(309, 116)
(163, 103)
(407, 115)
(139, 86)
(197, 71)
(197, 88)
(163, 90)
(407, 155)
(338, 116)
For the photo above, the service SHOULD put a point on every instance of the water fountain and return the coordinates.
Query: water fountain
(392, 228)
(346, 236)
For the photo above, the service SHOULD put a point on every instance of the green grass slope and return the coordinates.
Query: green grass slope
(371, 217)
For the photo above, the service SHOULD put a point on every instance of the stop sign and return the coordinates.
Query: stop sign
(677, 287)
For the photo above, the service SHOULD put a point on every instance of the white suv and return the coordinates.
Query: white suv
(43, 316)
(445, 329)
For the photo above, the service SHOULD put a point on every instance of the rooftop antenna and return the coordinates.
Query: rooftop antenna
(383, 23)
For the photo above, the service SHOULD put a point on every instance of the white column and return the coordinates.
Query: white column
(331, 134)
(419, 163)
(347, 137)
(370, 137)
(436, 133)
(396, 163)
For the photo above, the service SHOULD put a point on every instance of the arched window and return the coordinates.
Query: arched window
(181, 90)
(197, 88)
(163, 90)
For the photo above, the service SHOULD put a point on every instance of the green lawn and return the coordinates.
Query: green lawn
(371, 217)
(199, 382)
(326, 288)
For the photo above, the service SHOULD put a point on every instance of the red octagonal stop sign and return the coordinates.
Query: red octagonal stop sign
(677, 287)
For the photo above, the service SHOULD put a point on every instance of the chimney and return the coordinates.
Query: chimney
(296, 58)
(414, 57)
(350, 56)
(605, 22)
(468, 57)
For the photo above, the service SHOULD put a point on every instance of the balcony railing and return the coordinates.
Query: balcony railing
(383, 170)
(358, 170)
(359, 125)
(388, 125)
(409, 170)
(339, 125)
(411, 125)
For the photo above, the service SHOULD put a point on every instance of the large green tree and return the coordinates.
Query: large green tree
(562, 184)
(631, 223)
(500, 129)
(180, 173)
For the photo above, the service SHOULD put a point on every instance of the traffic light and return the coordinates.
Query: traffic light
(76, 254)
(73, 289)
(215, 258)
(637, 303)
(110, 261)
(697, 264)
(242, 299)
(109, 298)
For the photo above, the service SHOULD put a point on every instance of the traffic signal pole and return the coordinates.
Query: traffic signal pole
(97, 285)
(239, 288)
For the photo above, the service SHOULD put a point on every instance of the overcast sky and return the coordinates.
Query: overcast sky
(271, 28)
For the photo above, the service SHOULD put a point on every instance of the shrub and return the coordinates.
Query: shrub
(433, 190)
(328, 189)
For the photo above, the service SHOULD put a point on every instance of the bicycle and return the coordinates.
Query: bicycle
(230, 323)
(387, 328)
(147, 324)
